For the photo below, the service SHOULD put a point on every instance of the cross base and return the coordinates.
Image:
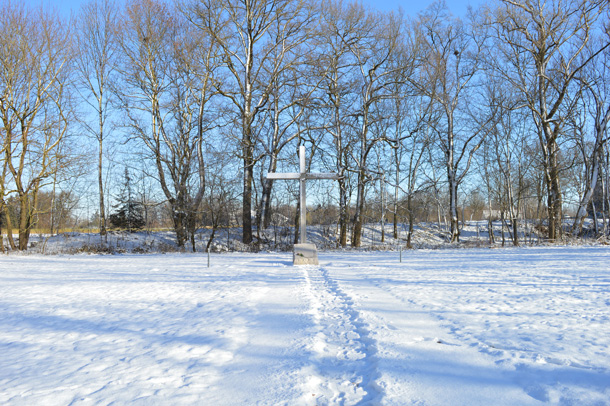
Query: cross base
(305, 254)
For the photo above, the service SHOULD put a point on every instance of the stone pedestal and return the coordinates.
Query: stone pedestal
(305, 254)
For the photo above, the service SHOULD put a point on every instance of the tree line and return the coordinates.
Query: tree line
(506, 108)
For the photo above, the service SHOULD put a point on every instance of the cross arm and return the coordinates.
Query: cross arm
(322, 176)
(275, 175)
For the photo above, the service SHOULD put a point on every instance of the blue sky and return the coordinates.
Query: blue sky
(410, 7)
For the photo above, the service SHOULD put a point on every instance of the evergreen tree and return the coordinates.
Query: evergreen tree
(129, 214)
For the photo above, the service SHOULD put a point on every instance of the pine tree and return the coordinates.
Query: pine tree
(129, 214)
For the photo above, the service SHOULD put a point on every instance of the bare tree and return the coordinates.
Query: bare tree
(165, 89)
(34, 54)
(450, 59)
(289, 100)
(507, 136)
(410, 145)
(96, 65)
(373, 58)
(595, 103)
(408, 113)
(341, 27)
(4, 221)
(222, 187)
(254, 37)
(356, 46)
(545, 45)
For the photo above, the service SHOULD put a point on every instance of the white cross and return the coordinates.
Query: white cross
(302, 176)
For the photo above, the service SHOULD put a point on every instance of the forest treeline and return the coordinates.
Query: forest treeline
(176, 111)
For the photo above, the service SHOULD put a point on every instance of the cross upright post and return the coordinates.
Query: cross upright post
(302, 195)
(304, 254)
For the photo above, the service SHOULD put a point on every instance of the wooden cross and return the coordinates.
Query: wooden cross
(302, 176)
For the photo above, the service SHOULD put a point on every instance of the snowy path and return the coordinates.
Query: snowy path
(345, 363)
(453, 327)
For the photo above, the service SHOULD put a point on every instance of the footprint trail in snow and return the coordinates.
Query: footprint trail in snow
(344, 362)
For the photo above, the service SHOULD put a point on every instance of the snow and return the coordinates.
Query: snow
(526, 326)
(281, 238)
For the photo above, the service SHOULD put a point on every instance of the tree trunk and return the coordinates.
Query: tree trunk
(297, 222)
(515, 224)
(28, 203)
(395, 225)
(411, 220)
(52, 225)
(102, 206)
(595, 225)
(502, 229)
(593, 173)
(605, 200)
(247, 198)
(453, 210)
(343, 195)
(264, 212)
(214, 227)
(396, 188)
(9, 228)
(343, 213)
(99, 173)
(180, 227)
(382, 210)
(358, 216)
(266, 204)
(554, 200)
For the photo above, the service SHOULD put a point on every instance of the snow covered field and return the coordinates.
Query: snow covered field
(523, 326)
